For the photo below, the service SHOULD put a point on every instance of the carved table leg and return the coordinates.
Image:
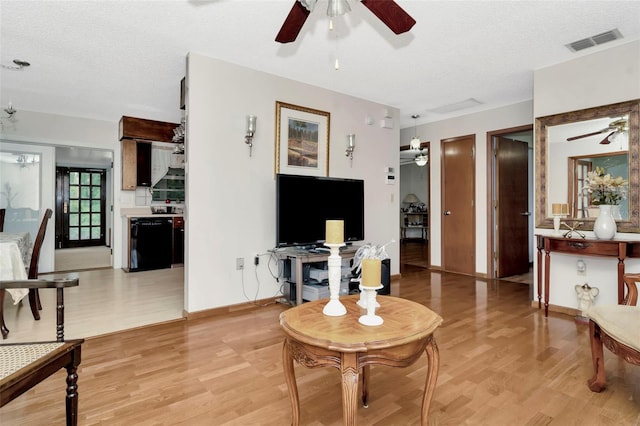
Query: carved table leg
(433, 365)
(598, 382)
(290, 377)
(350, 375)
(365, 386)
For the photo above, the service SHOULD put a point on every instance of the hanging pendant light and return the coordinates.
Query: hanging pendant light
(415, 141)
(421, 160)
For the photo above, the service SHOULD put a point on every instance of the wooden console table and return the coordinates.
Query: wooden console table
(620, 249)
(316, 340)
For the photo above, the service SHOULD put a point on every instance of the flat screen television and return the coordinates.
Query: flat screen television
(304, 203)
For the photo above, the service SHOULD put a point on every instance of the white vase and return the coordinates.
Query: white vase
(615, 212)
(605, 225)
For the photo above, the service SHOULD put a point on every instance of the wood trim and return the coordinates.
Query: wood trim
(558, 309)
(239, 308)
(490, 169)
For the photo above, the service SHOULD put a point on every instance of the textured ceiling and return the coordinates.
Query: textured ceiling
(105, 59)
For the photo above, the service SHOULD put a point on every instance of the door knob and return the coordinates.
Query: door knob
(447, 212)
(526, 213)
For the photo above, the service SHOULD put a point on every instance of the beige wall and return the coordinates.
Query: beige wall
(41, 132)
(604, 77)
(477, 124)
(231, 196)
(607, 76)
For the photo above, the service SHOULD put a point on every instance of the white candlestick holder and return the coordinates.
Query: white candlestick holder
(334, 308)
(556, 224)
(371, 318)
(362, 302)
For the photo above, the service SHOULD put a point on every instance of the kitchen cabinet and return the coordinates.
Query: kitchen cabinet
(141, 129)
(178, 241)
(136, 135)
(136, 164)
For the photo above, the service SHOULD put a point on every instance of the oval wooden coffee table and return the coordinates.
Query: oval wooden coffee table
(316, 340)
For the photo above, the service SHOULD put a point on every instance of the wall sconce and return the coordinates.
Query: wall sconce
(251, 130)
(351, 146)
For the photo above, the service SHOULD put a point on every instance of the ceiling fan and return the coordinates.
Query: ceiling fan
(388, 11)
(616, 126)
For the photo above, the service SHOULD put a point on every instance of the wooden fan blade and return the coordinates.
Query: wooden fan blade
(293, 24)
(573, 138)
(606, 140)
(391, 14)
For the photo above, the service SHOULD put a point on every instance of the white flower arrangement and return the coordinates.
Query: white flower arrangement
(605, 189)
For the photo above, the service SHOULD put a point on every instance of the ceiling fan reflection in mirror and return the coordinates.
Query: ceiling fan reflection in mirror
(620, 125)
(388, 11)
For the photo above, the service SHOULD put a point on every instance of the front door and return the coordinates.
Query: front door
(458, 192)
(80, 207)
(512, 219)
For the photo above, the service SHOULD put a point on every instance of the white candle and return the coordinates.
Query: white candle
(371, 272)
(335, 231)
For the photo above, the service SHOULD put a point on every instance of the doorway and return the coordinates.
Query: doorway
(83, 209)
(414, 208)
(510, 192)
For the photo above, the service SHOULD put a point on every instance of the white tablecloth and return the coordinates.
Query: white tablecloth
(15, 251)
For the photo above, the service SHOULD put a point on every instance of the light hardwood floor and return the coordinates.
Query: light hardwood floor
(502, 363)
(106, 300)
(81, 258)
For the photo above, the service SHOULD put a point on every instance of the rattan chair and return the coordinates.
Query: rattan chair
(24, 365)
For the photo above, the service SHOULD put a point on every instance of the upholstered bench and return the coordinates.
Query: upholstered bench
(618, 328)
(23, 365)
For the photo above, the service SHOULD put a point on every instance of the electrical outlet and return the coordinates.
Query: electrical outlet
(581, 267)
(240, 263)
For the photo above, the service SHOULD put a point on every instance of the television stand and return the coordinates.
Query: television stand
(299, 257)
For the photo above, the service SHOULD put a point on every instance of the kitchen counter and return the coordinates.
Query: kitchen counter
(130, 215)
(127, 213)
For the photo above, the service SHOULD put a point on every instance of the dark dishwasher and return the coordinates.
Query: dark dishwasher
(151, 243)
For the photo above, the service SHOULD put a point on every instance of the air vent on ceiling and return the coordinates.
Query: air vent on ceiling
(594, 40)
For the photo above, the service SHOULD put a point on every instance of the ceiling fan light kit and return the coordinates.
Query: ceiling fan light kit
(388, 11)
(614, 128)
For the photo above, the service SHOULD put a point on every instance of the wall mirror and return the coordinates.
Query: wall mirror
(572, 144)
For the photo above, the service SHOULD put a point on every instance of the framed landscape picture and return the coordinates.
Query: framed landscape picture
(302, 140)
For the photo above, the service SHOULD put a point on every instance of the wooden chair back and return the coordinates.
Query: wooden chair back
(37, 246)
(2, 213)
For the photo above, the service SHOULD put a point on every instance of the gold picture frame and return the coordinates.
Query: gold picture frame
(302, 140)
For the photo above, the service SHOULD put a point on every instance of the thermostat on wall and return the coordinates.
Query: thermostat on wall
(390, 176)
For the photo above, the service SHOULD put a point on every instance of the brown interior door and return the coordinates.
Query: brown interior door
(458, 191)
(512, 217)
